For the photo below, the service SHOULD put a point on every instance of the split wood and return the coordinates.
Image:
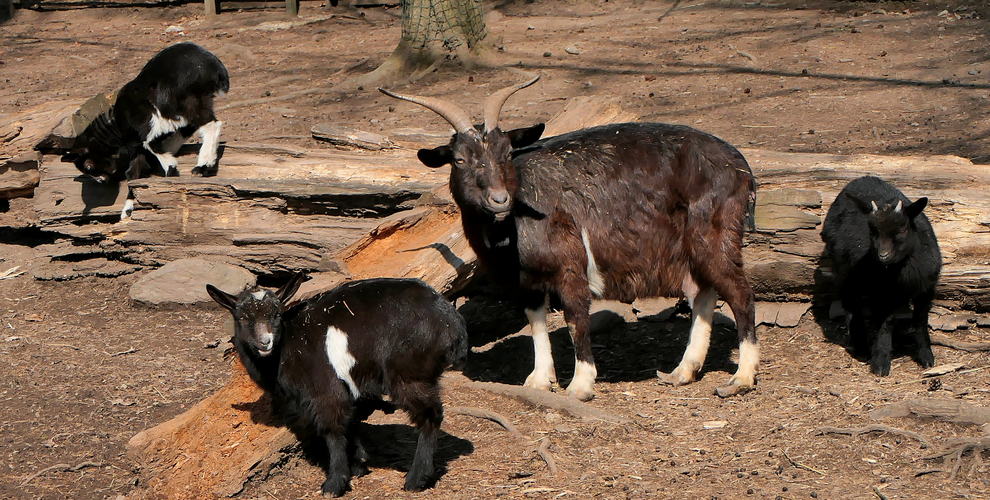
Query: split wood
(866, 429)
(543, 450)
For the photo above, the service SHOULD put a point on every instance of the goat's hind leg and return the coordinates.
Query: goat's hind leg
(702, 301)
(421, 400)
(206, 163)
(922, 305)
(738, 294)
(164, 148)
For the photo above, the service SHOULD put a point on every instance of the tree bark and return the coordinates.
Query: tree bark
(434, 32)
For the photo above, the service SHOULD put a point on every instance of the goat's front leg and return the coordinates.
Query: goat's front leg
(206, 163)
(919, 323)
(338, 473)
(543, 376)
(576, 301)
(880, 353)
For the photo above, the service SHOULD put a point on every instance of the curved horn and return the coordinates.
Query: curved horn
(494, 102)
(451, 112)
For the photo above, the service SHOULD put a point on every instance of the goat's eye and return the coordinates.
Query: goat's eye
(459, 161)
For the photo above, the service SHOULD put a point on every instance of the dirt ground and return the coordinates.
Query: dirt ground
(84, 369)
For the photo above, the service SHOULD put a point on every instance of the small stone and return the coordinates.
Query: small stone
(714, 424)
(531, 27)
(572, 50)
(974, 71)
(174, 29)
(548, 54)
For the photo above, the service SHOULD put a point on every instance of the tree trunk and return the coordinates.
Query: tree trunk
(433, 32)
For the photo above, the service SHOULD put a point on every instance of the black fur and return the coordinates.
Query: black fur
(883, 259)
(402, 335)
(180, 82)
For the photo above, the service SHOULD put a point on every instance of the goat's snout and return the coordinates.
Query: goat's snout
(498, 200)
(265, 343)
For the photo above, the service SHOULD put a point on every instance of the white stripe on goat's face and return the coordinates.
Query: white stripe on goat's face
(595, 280)
(260, 294)
(340, 358)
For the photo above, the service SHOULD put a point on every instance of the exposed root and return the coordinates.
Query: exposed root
(487, 415)
(543, 450)
(543, 399)
(944, 340)
(799, 465)
(866, 429)
(944, 409)
(954, 452)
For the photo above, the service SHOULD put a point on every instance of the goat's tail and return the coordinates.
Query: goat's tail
(458, 351)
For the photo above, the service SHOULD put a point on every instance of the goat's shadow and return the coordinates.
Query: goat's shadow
(390, 446)
(624, 351)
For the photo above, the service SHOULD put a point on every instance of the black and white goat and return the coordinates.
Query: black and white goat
(884, 256)
(616, 212)
(328, 360)
(153, 115)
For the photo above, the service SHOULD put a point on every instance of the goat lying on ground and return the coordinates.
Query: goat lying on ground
(153, 115)
(616, 212)
(884, 255)
(328, 360)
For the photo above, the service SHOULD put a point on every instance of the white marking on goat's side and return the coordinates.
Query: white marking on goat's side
(340, 358)
(543, 375)
(210, 134)
(259, 294)
(595, 281)
(702, 310)
(161, 125)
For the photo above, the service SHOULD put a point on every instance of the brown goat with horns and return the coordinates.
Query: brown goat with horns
(615, 212)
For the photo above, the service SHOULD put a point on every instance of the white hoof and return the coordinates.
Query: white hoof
(580, 391)
(125, 213)
(682, 375)
(540, 380)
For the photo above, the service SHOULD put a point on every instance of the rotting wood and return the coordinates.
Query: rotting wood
(866, 429)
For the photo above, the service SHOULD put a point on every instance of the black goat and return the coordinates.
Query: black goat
(884, 255)
(617, 212)
(153, 115)
(328, 360)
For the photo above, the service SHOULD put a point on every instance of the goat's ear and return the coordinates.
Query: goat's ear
(863, 205)
(436, 157)
(228, 301)
(522, 137)
(289, 289)
(914, 209)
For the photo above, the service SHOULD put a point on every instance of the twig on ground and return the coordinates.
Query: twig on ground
(879, 493)
(799, 465)
(866, 429)
(121, 353)
(61, 468)
(11, 273)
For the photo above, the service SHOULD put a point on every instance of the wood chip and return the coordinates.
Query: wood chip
(942, 369)
(714, 424)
